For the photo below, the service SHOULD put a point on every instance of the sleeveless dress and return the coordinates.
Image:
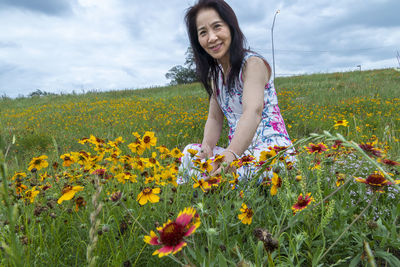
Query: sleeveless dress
(270, 132)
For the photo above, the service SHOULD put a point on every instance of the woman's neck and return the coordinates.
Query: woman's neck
(226, 66)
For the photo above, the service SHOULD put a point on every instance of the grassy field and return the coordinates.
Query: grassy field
(363, 223)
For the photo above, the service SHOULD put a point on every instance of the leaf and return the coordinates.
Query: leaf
(355, 260)
(221, 260)
(389, 257)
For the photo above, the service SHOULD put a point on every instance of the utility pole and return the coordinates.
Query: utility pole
(398, 57)
(272, 40)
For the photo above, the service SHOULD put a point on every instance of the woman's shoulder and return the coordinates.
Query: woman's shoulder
(249, 54)
(255, 60)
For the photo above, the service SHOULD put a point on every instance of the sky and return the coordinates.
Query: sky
(61, 46)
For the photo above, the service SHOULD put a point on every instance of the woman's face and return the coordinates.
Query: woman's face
(213, 34)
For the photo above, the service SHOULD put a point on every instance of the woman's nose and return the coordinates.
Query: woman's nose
(212, 37)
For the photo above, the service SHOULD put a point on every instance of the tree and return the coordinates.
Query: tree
(183, 74)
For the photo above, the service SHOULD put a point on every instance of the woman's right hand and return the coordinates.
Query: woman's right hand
(205, 152)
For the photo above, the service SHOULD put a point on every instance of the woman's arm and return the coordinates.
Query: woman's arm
(212, 129)
(255, 76)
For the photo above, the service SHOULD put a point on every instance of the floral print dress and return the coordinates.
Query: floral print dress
(270, 132)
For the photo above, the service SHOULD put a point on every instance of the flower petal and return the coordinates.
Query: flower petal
(185, 216)
(67, 196)
(165, 250)
(179, 247)
(152, 239)
(153, 198)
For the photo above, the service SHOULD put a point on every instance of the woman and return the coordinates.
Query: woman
(239, 85)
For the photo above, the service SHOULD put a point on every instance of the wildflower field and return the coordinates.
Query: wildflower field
(90, 179)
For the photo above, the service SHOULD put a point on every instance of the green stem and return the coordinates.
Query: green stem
(138, 223)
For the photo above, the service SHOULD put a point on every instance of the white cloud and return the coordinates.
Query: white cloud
(117, 44)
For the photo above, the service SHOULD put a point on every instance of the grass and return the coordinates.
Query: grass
(57, 234)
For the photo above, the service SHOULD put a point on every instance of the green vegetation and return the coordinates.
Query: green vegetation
(350, 222)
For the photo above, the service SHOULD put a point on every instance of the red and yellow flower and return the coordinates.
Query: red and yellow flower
(316, 148)
(371, 149)
(338, 123)
(172, 233)
(302, 202)
(376, 181)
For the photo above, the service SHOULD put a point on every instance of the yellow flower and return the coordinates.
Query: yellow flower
(176, 153)
(149, 139)
(126, 176)
(31, 194)
(206, 166)
(19, 188)
(38, 163)
(164, 152)
(137, 146)
(148, 195)
(267, 155)
(192, 152)
(340, 177)
(67, 160)
(204, 186)
(18, 176)
(276, 183)
(69, 192)
(235, 181)
(246, 214)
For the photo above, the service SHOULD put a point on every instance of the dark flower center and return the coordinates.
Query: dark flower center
(249, 213)
(172, 234)
(146, 139)
(279, 184)
(316, 148)
(376, 179)
(147, 191)
(302, 202)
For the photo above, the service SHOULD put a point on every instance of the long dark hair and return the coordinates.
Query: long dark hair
(207, 67)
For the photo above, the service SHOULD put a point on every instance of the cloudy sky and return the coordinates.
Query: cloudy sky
(81, 45)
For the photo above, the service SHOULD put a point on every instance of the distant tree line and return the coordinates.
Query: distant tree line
(183, 74)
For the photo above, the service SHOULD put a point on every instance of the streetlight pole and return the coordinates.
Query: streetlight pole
(272, 39)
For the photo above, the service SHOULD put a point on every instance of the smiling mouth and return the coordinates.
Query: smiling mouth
(216, 48)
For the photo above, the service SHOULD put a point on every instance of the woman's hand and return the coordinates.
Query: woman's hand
(205, 152)
(218, 167)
